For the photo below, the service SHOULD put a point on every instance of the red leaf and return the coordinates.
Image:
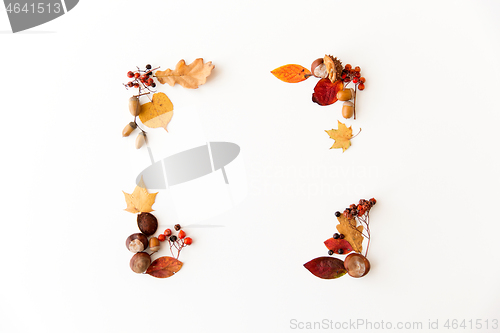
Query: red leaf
(325, 92)
(164, 267)
(326, 267)
(336, 244)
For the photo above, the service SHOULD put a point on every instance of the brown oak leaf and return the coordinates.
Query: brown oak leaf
(140, 200)
(164, 267)
(352, 233)
(189, 76)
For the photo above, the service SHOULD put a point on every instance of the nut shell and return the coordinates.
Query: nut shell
(345, 95)
(147, 223)
(136, 242)
(356, 265)
(129, 129)
(140, 262)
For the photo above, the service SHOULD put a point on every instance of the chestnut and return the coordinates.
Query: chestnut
(140, 262)
(136, 242)
(356, 265)
(147, 223)
(318, 68)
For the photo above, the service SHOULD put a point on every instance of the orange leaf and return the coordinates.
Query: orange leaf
(291, 73)
(164, 267)
(140, 200)
(353, 233)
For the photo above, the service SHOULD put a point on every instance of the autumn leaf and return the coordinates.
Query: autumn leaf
(140, 201)
(291, 73)
(164, 267)
(338, 244)
(158, 112)
(352, 233)
(326, 267)
(189, 76)
(342, 136)
(325, 91)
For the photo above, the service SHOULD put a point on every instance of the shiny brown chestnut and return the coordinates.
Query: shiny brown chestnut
(140, 262)
(147, 223)
(136, 242)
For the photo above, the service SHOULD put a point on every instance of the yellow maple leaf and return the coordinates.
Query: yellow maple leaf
(158, 112)
(189, 76)
(352, 233)
(140, 201)
(342, 136)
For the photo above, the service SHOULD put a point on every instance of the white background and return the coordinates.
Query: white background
(428, 152)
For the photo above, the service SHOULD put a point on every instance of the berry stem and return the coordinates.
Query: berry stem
(354, 102)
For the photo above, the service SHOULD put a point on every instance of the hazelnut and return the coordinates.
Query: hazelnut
(356, 265)
(347, 110)
(140, 262)
(136, 242)
(318, 68)
(147, 223)
(154, 244)
(345, 95)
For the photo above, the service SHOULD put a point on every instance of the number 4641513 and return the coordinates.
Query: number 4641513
(39, 8)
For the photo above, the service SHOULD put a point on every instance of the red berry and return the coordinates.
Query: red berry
(354, 80)
(136, 85)
(348, 66)
(373, 201)
(362, 79)
(361, 86)
(130, 84)
(151, 81)
(357, 69)
(182, 234)
(161, 237)
(130, 74)
(188, 241)
(167, 232)
(144, 77)
(147, 83)
(136, 75)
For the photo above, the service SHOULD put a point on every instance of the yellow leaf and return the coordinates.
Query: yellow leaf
(140, 201)
(353, 234)
(157, 113)
(189, 76)
(342, 136)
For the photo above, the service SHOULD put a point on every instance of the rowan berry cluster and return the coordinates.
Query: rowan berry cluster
(142, 79)
(353, 75)
(178, 241)
(362, 208)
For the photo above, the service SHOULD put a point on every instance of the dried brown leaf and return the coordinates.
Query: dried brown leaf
(189, 76)
(353, 234)
(140, 200)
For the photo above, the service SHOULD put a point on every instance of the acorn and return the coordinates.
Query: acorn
(134, 106)
(347, 110)
(140, 262)
(129, 129)
(345, 95)
(147, 223)
(140, 140)
(154, 244)
(136, 242)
